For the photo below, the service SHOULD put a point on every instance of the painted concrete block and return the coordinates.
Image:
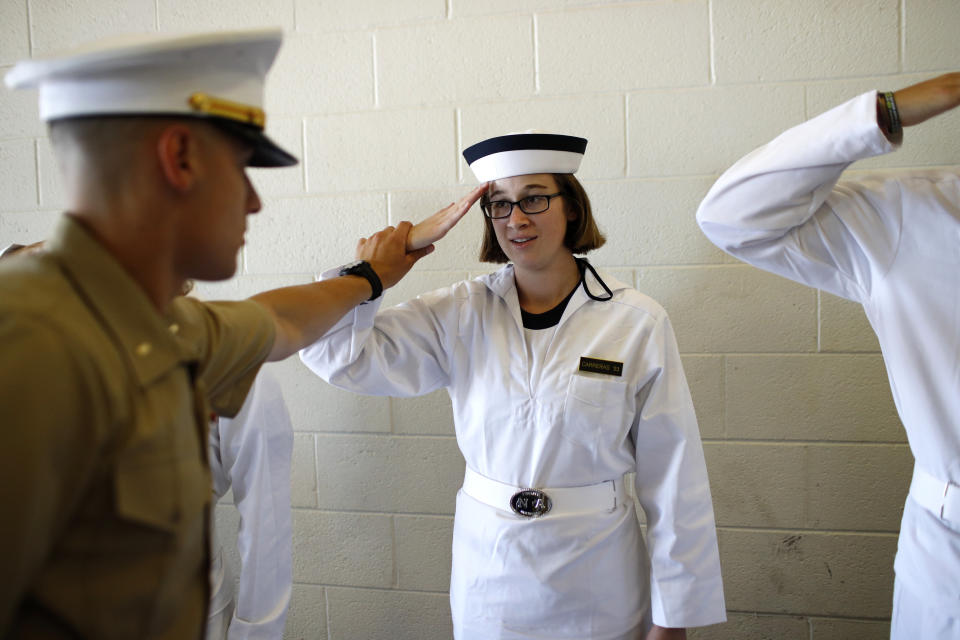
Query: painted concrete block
(598, 118)
(18, 180)
(832, 487)
(410, 149)
(929, 39)
(336, 411)
(398, 615)
(56, 26)
(820, 39)
(676, 132)
(733, 309)
(423, 552)
(319, 407)
(19, 113)
(214, 15)
(27, 227)
(652, 222)
(855, 487)
(844, 326)
(15, 44)
(303, 471)
(705, 379)
(844, 574)
(420, 280)
(832, 629)
(407, 474)
(49, 178)
(744, 626)
(322, 73)
(831, 397)
(757, 485)
(307, 616)
(471, 7)
(311, 235)
(455, 61)
(315, 16)
(618, 47)
(342, 548)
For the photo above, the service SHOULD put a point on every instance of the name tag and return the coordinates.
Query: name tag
(595, 365)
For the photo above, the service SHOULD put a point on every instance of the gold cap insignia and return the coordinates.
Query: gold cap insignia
(214, 106)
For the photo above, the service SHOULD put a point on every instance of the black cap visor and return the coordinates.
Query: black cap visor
(266, 153)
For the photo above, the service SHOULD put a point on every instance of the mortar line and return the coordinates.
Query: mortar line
(29, 28)
(375, 70)
(536, 54)
(712, 41)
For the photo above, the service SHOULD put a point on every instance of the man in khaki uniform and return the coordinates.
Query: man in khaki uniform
(107, 376)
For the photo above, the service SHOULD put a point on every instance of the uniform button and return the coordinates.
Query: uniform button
(144, 349)
(174, 328)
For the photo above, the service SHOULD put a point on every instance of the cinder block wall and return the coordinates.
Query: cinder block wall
(808, 462)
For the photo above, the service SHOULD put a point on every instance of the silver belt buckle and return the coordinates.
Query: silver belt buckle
(530, 503)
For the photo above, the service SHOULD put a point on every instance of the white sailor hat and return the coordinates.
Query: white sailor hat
(520, 154)
(218, 76)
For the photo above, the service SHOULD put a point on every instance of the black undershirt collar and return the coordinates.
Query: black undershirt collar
(549, 318)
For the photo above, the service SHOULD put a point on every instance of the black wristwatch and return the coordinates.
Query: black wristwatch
(362, 268)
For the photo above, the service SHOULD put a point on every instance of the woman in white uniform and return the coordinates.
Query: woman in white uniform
(562, 382)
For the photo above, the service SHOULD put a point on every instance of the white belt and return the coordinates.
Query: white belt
(940, 498)
(532, 503)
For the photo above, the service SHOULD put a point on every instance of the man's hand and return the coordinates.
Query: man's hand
(662, 633)
(428, 231)
(387, 253)
(927, 99)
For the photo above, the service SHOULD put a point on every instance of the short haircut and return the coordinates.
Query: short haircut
(582, 234)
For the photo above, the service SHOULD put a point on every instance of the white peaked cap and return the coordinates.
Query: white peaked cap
(219, 75)
(519, 154)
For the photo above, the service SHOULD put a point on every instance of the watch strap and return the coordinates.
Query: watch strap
(363, 269)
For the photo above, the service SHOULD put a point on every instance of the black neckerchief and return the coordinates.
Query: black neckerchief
(583, 265)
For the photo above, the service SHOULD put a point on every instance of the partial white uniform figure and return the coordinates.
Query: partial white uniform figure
(891, 242)
(563, 381)
(251, 454)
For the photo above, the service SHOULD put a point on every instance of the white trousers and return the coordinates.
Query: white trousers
(916, 619)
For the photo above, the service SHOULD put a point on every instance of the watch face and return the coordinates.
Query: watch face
(351, 265)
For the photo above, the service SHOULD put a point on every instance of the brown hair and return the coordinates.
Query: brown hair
(582, 233)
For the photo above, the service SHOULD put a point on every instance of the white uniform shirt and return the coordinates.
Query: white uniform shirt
(890, 242)
(542, 423)
(251, 454)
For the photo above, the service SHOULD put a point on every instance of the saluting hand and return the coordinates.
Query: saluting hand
(386, 251)
(428, 231)
(927, 99)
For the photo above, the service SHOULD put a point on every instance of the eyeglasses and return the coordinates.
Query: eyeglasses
(499, 209)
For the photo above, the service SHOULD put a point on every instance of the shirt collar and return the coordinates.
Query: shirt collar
(120, 304)
(503, 284)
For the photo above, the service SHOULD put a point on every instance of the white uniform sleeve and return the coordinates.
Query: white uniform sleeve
(400, 351)
(780, 208)
(255, 450)
(686, 589)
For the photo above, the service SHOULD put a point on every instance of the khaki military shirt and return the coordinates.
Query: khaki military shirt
(104, 482)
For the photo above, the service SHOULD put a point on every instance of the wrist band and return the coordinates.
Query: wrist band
(892, 113)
